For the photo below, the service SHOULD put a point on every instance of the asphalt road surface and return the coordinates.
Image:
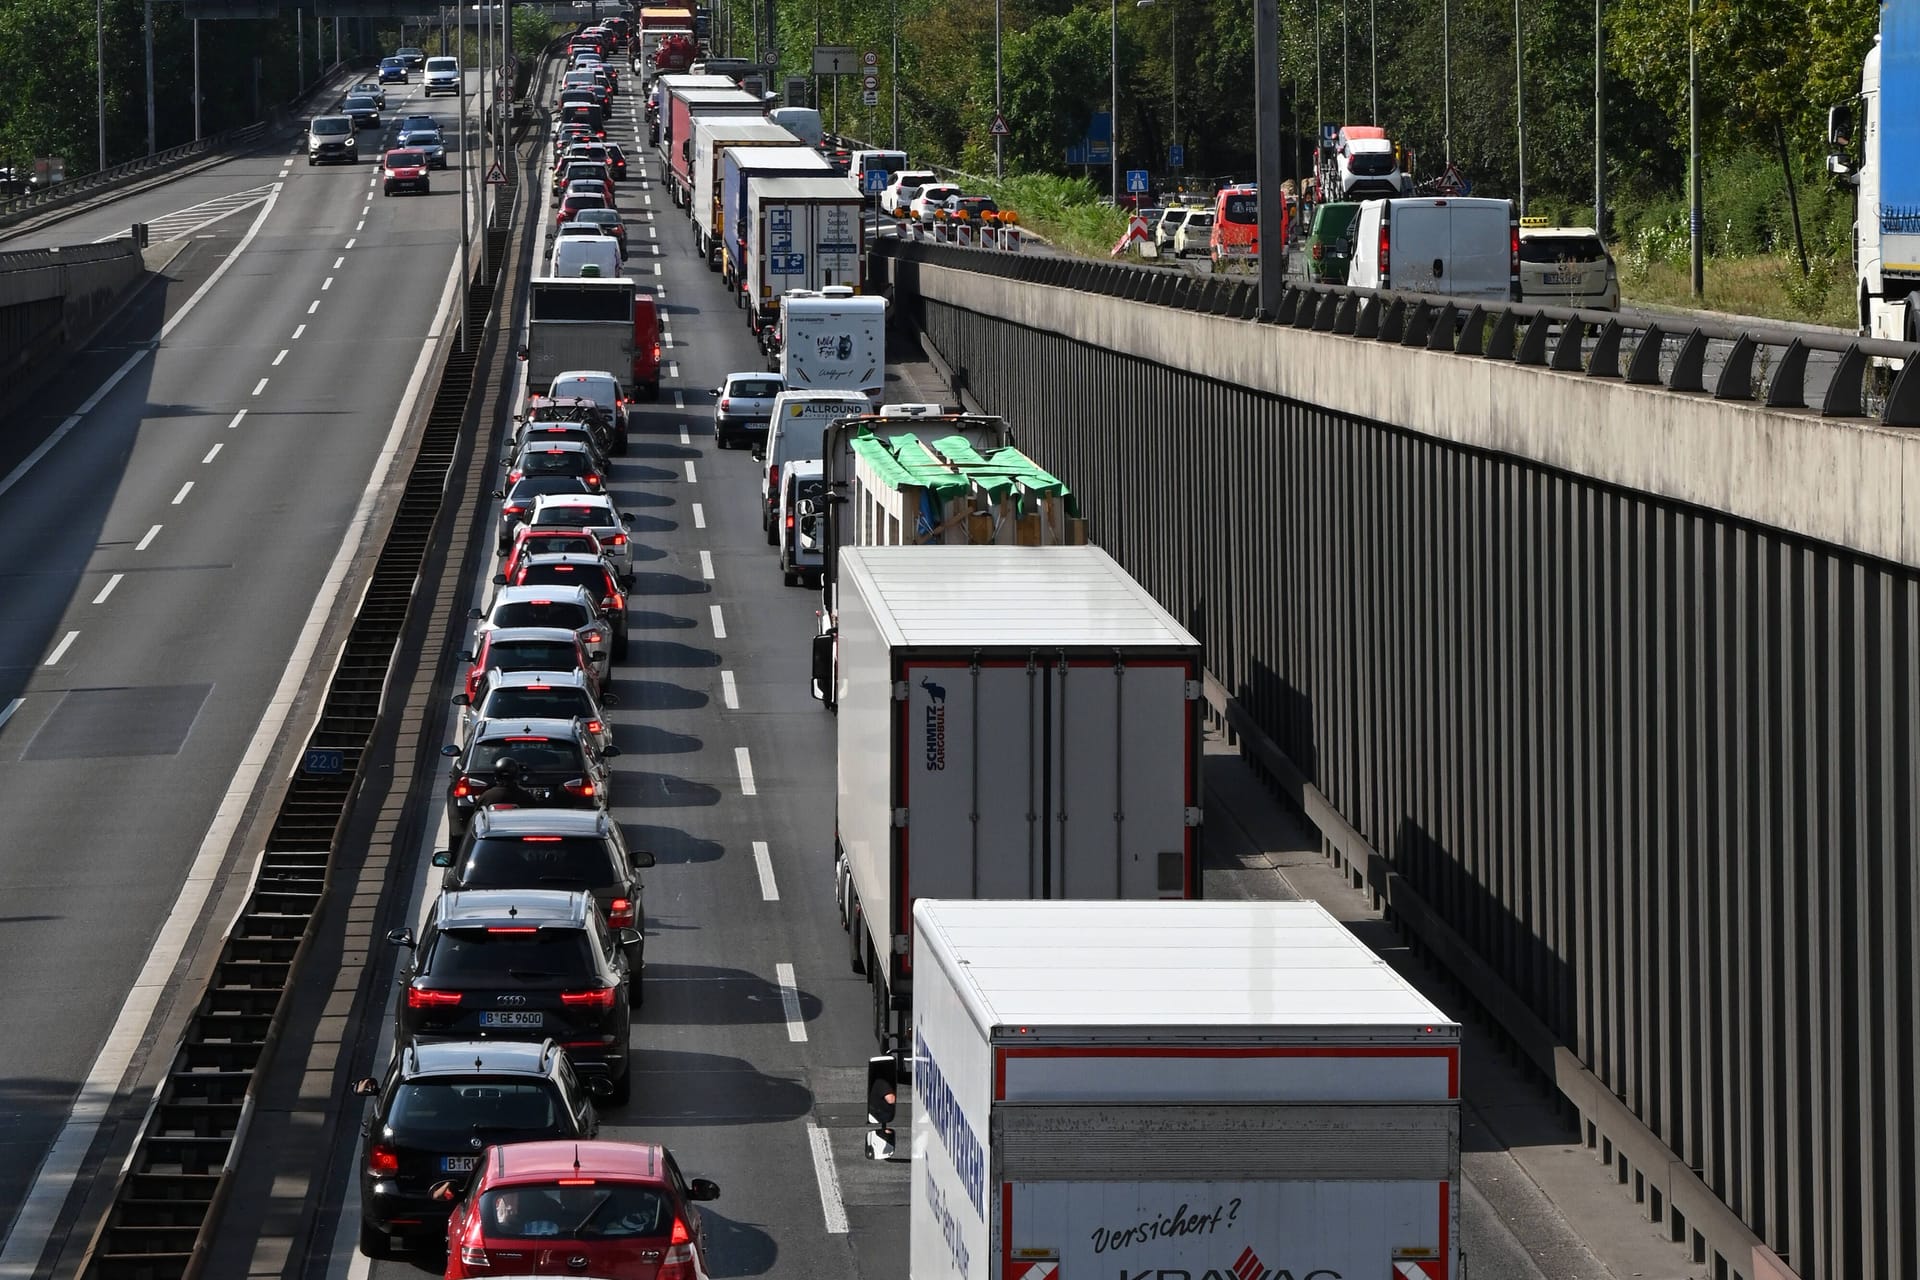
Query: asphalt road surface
(174, 504)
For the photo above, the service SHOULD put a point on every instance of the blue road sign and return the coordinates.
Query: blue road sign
(874, 181)
(1137, 180)
(1176, 156)
(322, 761)
(787, 264)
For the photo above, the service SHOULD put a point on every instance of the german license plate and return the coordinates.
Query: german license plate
(1563, 277)
(458, 1164)
(502, 1018)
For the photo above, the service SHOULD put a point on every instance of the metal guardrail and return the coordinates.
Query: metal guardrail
(1753, 362)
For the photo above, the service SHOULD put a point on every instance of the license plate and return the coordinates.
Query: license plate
(499, 1018)
(458, 1164)
(1563, 277)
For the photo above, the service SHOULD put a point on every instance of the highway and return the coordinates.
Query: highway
(184, 505)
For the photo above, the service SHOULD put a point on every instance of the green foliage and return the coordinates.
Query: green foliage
(1067, 211)
(531, 30)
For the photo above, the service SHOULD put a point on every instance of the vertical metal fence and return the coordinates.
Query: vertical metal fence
(1656, 766)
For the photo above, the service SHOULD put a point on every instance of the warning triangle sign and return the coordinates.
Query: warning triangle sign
(999, 129)
(496, 176)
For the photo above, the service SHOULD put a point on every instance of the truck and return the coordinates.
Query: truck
(1361, 163)
(833, 341)
(673, 51)
(676, 135)
(806, 234)
(1874, 147)
(1173, 1090)
(754, 77)
(737, 167)
(1015, 722)
(662, 86)
(712, 135)
(585, 323)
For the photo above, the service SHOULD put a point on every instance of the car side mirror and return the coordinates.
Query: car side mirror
(365, 1087)
(443, 857)
(466, 655)
(626, 518)
(443, 1192)
(628, 937)
(400, 937)
(461, 700)
(498, 493)
(609, 699)
(499, 579)
(703, 1189)
(609, 752)
(823, 666)
(450, 750)
(475, 615)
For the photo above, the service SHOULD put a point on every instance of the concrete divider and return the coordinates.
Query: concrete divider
(51, 299)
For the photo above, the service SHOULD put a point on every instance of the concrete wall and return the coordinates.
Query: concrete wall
(53, 298)
(1847, 483)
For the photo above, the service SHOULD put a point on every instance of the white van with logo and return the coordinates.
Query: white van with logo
(1457, 246)
(795, 431)
(833, 340)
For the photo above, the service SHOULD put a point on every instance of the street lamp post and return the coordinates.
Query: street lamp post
(100, 73)
(1446, 79)
(1373, 55)
(149, 26)
(999, 149)
(893, 85)
(1266, 95)
(1113, 108)
(466, 181)
(1520, 101)
(196, 79)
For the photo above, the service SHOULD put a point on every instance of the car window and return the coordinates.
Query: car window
(333, 124)
(554, 461)
(548, 544)
(548, 862)
(403, 159)
(602, 391)
(533, 655)
(755, 388)
(566, 514)
(603, 1211)
(443, 64)
(534, 613)
(479, 956)
(1557, 249)
(456, 1108)
(561, 575)
(532, 753)
(561, 703)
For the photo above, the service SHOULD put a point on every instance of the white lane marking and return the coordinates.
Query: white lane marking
(313, 306)
(744, 763)
(706, 564)
(679, 399)
(691, 477)
(831, 1206)
(260, 386)
(236, 419)
(211, 454)
(351, 241)
(6, 713)
(107, 590)
(147, 541)
(684, 437)
(699, 516)
(277, 359)
(763, 863)
(719, 624)
(360, 226)
(326, 284)
(181, 496)
(789, 996)
(656, 271)
(41, 1208)
(60, 650)
(298, 330)
(729, 691)
(337, 262)
(673, 368)
(652, 230)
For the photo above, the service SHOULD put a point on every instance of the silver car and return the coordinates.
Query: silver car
(745, 407)
(595, 513)
(330, 140)
(520, 695)
(571, 607)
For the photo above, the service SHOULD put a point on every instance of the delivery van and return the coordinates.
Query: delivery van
(1456, 246)
(586, 256)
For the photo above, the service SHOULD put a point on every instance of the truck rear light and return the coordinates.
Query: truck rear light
(1386, 248)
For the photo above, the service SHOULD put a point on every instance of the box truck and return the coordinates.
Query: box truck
(663, 86)
(711, 138)
(676, 139)
(583, 323)
(1176, 1091)
(1015, 722)
(737, 168)
(804, 234)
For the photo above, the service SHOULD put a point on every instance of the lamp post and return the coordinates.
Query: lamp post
(100, 73)
(999, 148)
(1446, 79)
(1520, 102)
(1599, 122)
(893, 84)
(1113, 108)
(196, 79)
(1373, 55)
(149, 26)
(1266, 96)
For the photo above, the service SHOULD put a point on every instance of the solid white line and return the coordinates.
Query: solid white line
(764, 865)
(181, 496)
(326, 284)
(313, 306)
(6, 713)
(41, 1208)
(277, 359)
(699, 516)
(719, 624)
(744, 763)
(729, 692)
(147, 541)
(211, 455)
(790, 1004)
(236, 419)
(706, 564)
(298, 330)
(60, 650)
(691, 477)
(260, 386)
(337, 262)
(107, 590)
(831, 1206)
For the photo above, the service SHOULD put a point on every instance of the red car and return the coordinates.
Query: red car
(547, 542)
(575, 201)
(619, 1210)
(405, 170)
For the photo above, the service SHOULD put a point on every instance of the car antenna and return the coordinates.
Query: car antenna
(576, 1159)
(513, 913)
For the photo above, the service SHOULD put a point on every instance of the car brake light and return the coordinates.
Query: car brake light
(513, 928)
(619, 602)
(472, 1255)
(595, 726)
(619, 539)
(1386, 246)
(581, 788)
(773, 477)
(678, 1264)
(512, 511)
(598, 998)
(575, 1182)
(620, 913)
(464, 787)
(789, 519)
(541, 839)
(382, 1160)
(594, 637)
(724, 402)
(427, 998)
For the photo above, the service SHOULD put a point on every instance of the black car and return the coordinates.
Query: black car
(521, 964)
(537, 457)
(517, 502)
(438, 1106)
(559, 765)
(414, 58)
(554, 849)
(569, 569)
(363, 110)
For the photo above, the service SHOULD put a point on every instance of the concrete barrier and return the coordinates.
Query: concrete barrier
(53, 299)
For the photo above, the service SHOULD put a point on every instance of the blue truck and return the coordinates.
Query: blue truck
(739, 165)
(1875, 148)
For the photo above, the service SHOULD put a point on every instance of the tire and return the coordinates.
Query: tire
(309, 162)
(620, 647)
(787, 575)
(622, 1088)
(375, 1243)
(857, 952)
(773, 540)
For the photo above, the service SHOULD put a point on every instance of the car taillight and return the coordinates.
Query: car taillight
(595, 726)
(427, 998)
(382, 1160)
(620, 913)
(512, 510)
(789, 519)
(724, 402)
(591, 478)
(618, 540)
(593, 637)
(1316, 250)
(678, 1264)
(464, 787)
(472, 1255)
(619, 603)
(1513, 251)
(773, 479)
(581, 788)
(1386, 247)
(598, 998)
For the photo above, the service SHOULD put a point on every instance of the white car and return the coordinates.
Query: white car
(905, 186)
(571, 607)
(539, 695)
(443, 76)
(595, 513)
(1191, 240)
(929, 198)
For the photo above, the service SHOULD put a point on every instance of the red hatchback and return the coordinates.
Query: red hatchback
(619, 1210)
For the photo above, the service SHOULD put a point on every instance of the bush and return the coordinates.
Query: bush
(1066, 211)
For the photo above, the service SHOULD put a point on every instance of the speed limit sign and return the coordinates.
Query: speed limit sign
(871, 58)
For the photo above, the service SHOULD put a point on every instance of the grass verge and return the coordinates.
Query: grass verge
(1767, 286)
(1066, 211)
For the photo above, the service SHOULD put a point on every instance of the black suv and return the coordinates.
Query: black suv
(559, 765)
(437, 1108)
(521, 964)
(554, 849)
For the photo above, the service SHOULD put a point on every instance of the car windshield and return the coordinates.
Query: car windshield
(533, 655)
(442, 64)
(579, 200)
(561, 574)
(431, 1109)
(332, 124)
(602, 1211)
(406, 159)
(392, 62)
(558, 702)
(360, 103)
(1370, 164)
(1557, 249)
(543, 754)
(604, 392)
(475, 955)
(541, 544)
(600, 217)
(528, 862)
(419, 122)
(536, 613)
(754, 388)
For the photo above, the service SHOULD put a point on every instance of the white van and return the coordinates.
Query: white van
(1457, 246)
(442, 76)
(888, 162)
(796, 428)
(801, 530)
(595, 256)
(802, 122)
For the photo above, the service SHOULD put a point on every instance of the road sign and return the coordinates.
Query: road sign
(835, 60)
(874, 181)
(496, 176)
(870, 81)
(1176, 156)
(999, 129)
(797, 91)
(787, 264)
(1137, 180)
(870, 97)
(324, 762)
(871, 58)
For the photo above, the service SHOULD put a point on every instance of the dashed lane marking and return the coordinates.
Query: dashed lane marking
(706, 564)
(261, 386)
(211, 454)
(790, 1003)
(699, 516)
(243, 413)
(60, 650)
(719, 623)
(181, 496)
(729, 692)
(147, 541)
(107, 590)
(691, 477)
